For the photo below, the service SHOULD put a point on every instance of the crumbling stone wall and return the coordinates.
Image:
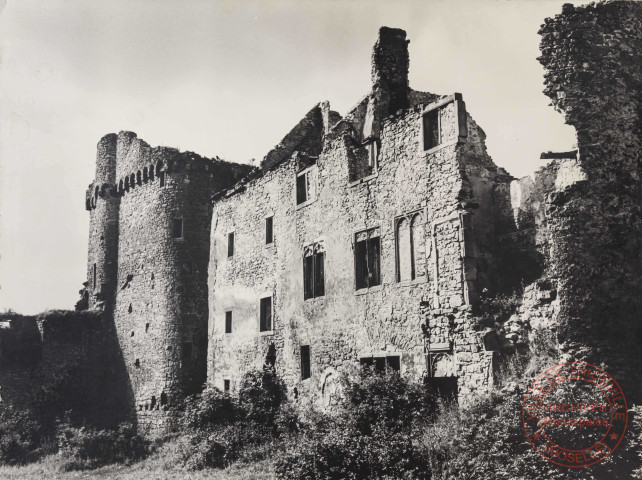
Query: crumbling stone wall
(579, 215)
(149, 240)
(396, 318)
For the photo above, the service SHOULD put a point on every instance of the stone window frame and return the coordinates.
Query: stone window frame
(231, 323)
(312, 168)
(375, 173)
(461, 126)
(312, 250)
(355, 232)
(409, 216)
(265, 218)
(227, 385)
(263, 295)
(373, 355)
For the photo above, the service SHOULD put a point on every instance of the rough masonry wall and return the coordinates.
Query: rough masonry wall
(593, 75)
(343, 325)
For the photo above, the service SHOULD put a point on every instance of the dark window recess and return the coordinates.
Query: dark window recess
(305, 362)
(177, 228)
(301, 190)
(432, 129)
(230, 244)
(226, 385)
(94, 275)
(270, 357)
(153, 402)
(367, 254)
(313, 271)
(269, 233)
(228, 322)
(163, 398)
(187, 350)
(266, 314)
(161, 175)
(137, 363)
(381, 364)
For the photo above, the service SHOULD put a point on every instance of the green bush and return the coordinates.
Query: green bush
(374, 433)
(85, 448)
(19, 434)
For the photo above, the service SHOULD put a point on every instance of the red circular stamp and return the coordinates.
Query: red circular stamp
(574, 414)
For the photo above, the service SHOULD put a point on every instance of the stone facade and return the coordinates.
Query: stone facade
(373, 174)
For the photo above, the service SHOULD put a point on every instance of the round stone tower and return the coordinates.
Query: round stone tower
(102, 201)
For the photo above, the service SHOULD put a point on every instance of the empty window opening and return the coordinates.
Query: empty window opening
(132, 334)
(228, 322)
(132, 180)
(266, 314)
(306, 185)
(146, 327)
(382, 364)
(139, 180)
(137, 363)
(367, 254)
(145, 175)
(177, 228)
(269, 232)
(296, 393)
(270, 357)
(130, 309)
(313, 271)
(94, 274)
(305, 362)
(432, 129)
(153, 402)
(151, 172)
(230, 244)
(226, 385)
(187, 350)
(163, 398)
(161, 176)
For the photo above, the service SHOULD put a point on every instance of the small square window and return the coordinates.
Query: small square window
(432, 129)
(226, 385)
(230, 244)
(305, 362)
(269, 230)
(266, 314)
(228, 322)
(177, 228)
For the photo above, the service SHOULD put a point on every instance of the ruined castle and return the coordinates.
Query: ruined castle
(371, 239)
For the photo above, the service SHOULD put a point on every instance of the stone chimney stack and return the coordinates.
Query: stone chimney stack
(390, 68)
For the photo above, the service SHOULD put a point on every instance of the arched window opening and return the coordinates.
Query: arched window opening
(404, 251)
(418, 240)
(151, 173)
(145, 176)
(132, 180)
(139, 180)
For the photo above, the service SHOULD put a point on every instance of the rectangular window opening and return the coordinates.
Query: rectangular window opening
(432, 129)
(266, 315)
(382, 364)
(306, 185)
(367, 254)
(305, 362)
(313, 271)
(228, 322)
(230, 244)
(95, 275)
(226, 385)
(269, 233)
(177, 228)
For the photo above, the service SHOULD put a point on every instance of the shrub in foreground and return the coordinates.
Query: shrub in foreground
(19, 434)
(84, 448)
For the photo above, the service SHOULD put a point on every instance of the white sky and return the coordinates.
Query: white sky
(226, 78)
